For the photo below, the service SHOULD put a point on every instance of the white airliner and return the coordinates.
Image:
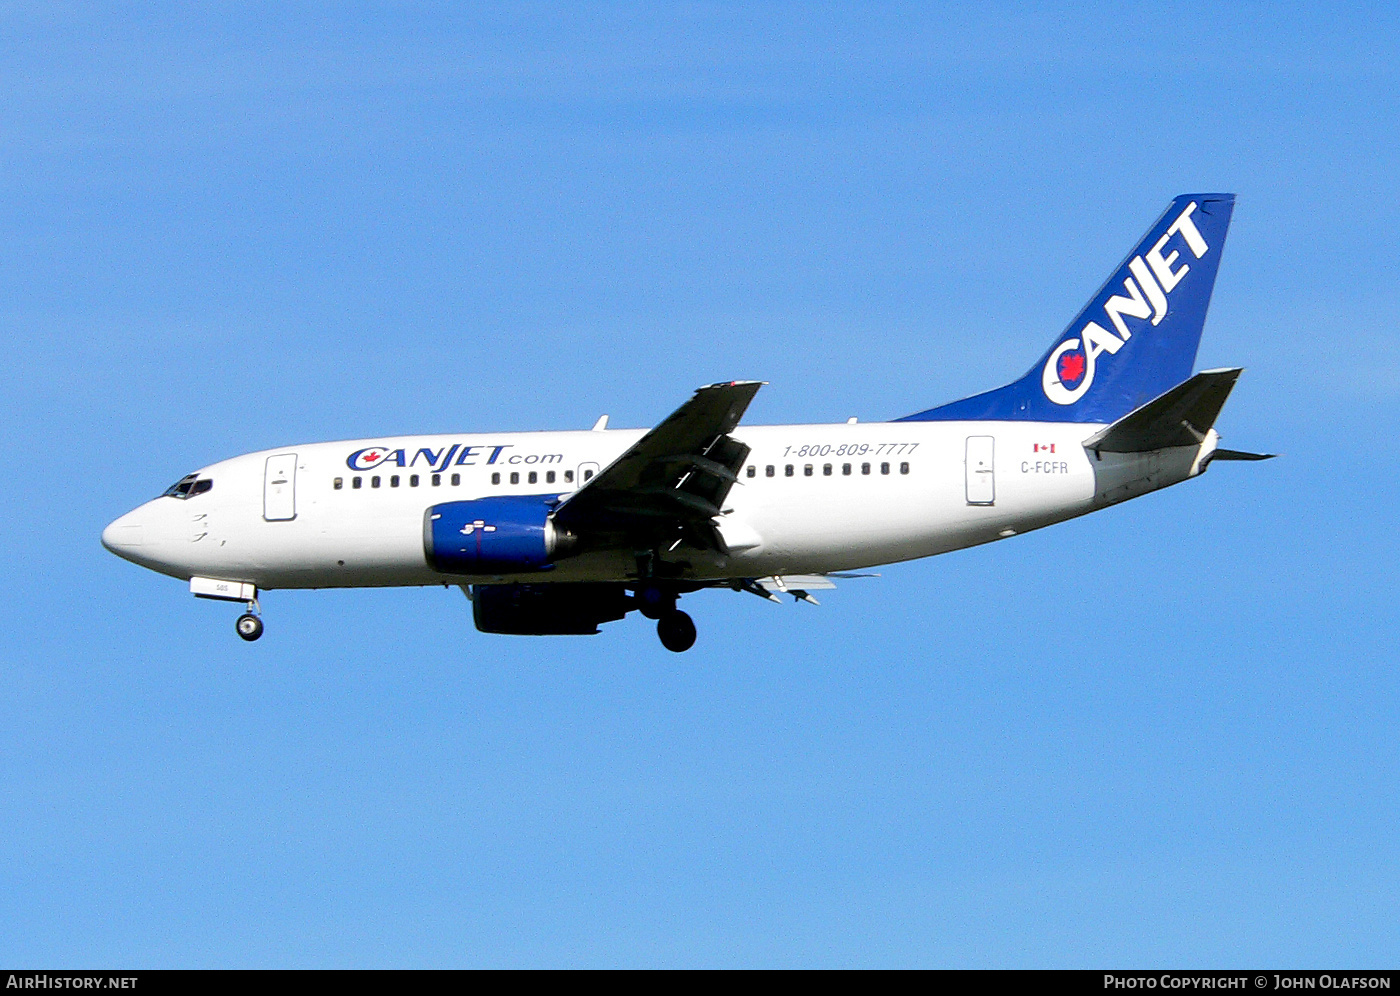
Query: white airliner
(557, 532)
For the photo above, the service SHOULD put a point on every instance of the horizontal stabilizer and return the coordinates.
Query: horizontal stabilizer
(1181, 417)
(1220, 454)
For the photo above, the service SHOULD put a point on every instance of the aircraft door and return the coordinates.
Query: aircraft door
(280, 488)
(981, 476)
(586, 472)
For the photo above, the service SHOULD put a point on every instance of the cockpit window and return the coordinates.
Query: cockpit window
(181, 488)
(187, 487)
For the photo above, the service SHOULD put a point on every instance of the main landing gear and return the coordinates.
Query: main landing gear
(674, 627)
(676, 630)
(250, 624)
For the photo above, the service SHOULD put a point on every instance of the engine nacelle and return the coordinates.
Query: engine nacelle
(568, 609)
(503, 535)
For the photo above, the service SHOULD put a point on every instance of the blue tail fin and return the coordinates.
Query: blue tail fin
(1134, 341)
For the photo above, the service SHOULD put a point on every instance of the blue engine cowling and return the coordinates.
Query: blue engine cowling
(508, 534)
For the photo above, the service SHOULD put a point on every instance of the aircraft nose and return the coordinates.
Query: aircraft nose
(126, 535)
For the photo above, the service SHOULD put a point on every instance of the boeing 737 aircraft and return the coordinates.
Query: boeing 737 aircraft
(558, 532)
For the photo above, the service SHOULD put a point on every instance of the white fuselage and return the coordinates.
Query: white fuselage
(857, 495)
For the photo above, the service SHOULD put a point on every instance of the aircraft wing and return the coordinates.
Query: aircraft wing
(672, 483)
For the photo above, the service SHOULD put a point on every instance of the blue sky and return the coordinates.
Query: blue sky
(1162, 734)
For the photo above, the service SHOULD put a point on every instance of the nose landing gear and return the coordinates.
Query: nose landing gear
(250, 624)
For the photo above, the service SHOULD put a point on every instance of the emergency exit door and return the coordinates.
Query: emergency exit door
(280, 488)
(981, 477)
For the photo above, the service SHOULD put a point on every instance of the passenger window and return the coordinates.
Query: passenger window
(807, 470)
(355, 483)
(865, 468)
(787, 470)
(394, 480)
(588, 475)
(514, 477)
(374, 482)
(534, 477)
(845, 470)
(826, 470)
(549, 477)
(457, 480)
(496, 478)
(770, 470)
(752, 471)
(884, 468)
(904, 468)
(437, 480)
(339, 483)
(569, 476)
(413, 480)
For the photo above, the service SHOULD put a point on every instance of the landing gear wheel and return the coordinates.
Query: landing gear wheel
(654, 602)
(677, 631)
(250, 627)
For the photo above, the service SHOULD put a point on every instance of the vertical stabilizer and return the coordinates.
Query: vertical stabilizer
(1137, 337)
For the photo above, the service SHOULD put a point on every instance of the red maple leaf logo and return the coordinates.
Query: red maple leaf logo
(1071, 367)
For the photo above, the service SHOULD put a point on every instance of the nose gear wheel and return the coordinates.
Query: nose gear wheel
(249, 626)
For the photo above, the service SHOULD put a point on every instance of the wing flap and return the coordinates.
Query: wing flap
(796, 582)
